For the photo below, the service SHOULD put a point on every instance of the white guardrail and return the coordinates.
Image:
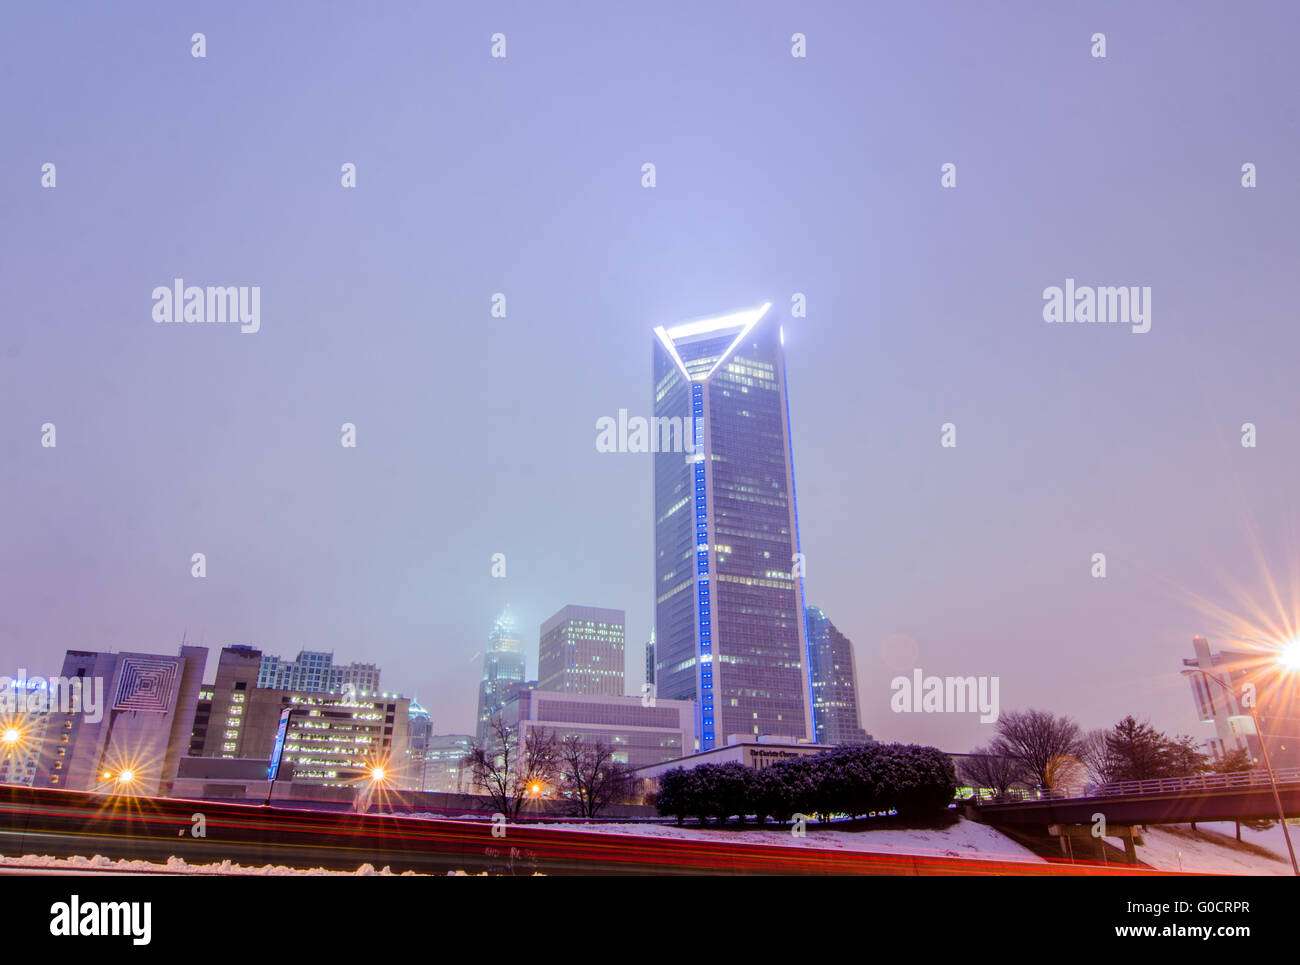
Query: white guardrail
(1199, 782)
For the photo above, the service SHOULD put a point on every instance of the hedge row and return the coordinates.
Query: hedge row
(861, 779)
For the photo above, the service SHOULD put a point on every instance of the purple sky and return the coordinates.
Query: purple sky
(775, 175)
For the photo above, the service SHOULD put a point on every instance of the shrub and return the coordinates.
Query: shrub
(733, 791)
(914, 781)
(673, 796)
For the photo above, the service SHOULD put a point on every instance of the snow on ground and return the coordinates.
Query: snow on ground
(174, 865)
(1211, 849)
(1176, 847)
(963, 839)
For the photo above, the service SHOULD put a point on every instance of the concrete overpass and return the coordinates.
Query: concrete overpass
(1241, 796)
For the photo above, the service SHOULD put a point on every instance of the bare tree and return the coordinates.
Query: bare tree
(1035, 739)
(986, 769)
(508, 773)
(590, 777)
(1095, 756)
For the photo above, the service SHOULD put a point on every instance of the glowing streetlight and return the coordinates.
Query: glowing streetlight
(371, 782)
(1289, 656)
(11, 736)
(126, 777)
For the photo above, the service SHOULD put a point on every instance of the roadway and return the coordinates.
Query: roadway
(65, 823)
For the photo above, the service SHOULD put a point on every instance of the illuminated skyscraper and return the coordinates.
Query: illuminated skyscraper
(729, 616)
(503, 669)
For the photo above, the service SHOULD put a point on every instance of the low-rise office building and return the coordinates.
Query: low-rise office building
(133, 741)
(444, 767)
(740, 749)
(638, 731)
(332, 738)
(24, 713)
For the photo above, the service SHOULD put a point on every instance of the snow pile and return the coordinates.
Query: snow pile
(173, 865)
(484, 874)
(1212, 849)
(962, 839)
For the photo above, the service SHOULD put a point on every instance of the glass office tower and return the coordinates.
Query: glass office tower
(729, 612)
(834, 682)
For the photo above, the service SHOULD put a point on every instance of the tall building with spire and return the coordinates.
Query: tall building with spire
(503, 670)
(729, 611)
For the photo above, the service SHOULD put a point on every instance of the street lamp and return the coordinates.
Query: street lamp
(1263, 750)
(11, 737)
(376, 776)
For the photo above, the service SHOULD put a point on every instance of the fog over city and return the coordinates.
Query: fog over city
(812, 183)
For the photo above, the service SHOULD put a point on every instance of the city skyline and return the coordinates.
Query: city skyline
(476, 433)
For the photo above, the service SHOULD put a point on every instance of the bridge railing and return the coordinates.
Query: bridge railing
(1199, 782)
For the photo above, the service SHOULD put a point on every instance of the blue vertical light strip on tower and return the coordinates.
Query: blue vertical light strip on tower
(707, 735)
